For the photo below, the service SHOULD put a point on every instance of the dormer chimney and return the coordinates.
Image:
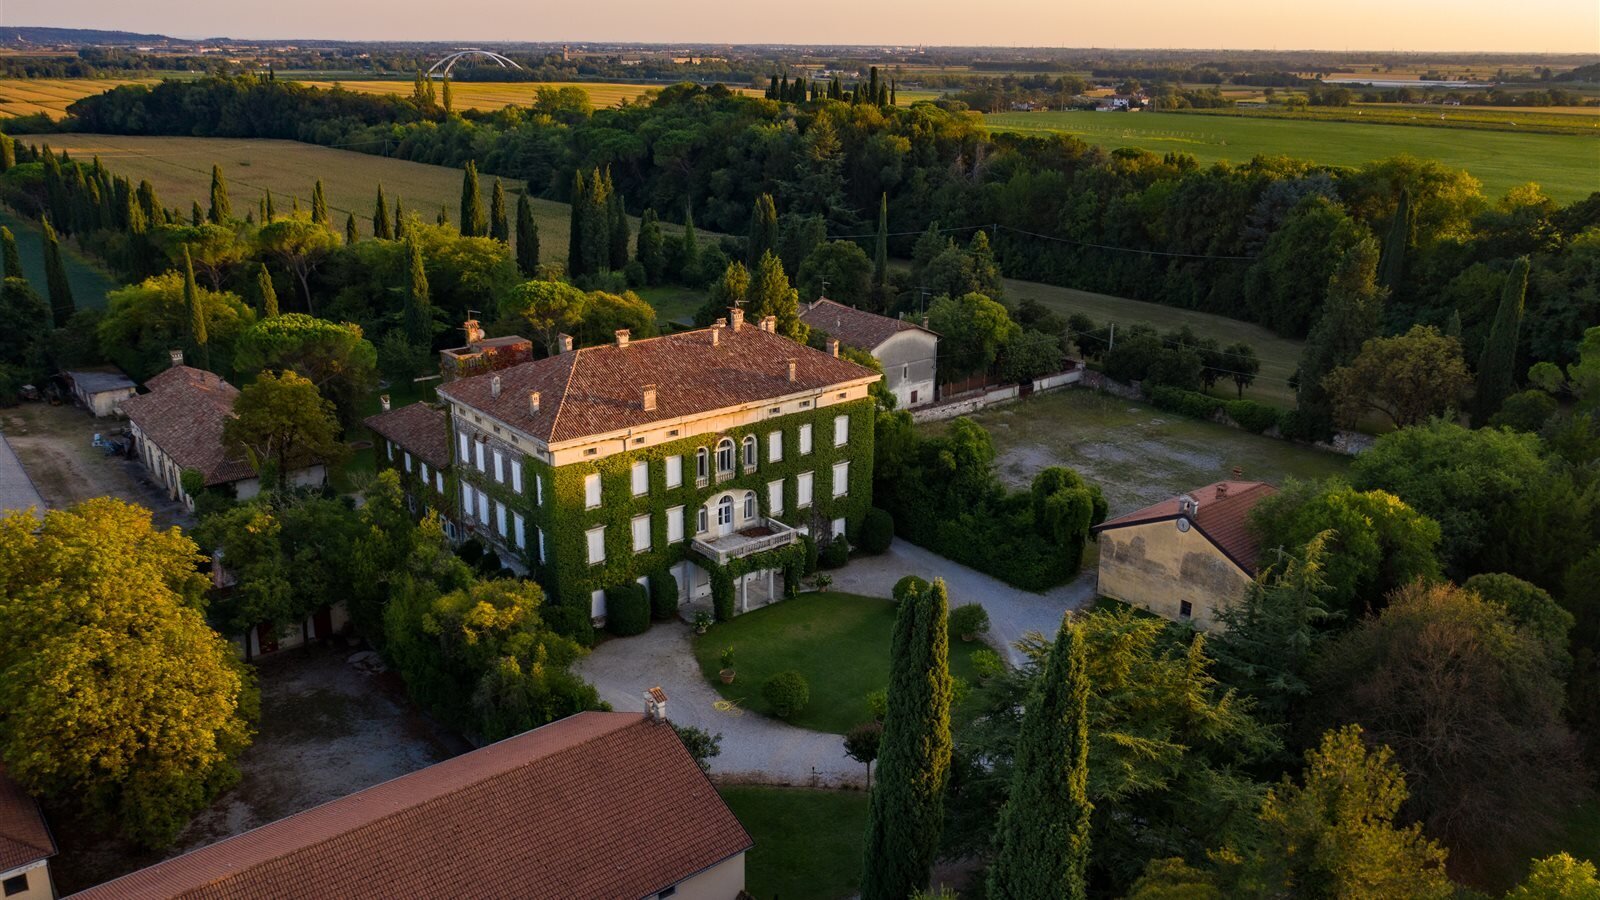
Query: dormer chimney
(383, 401)
(533, 403)
(833, 347)
(649, 397)
(176, 357)
(792, 364)
(622, 337)
(563, 344)
(735, 317)
(494, 386)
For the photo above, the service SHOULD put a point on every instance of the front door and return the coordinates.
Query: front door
(725, 516)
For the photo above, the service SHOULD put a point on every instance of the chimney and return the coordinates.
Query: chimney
(655, 704)
(563, 344)
(735, 317)
(833, 347)
(622, 337)
(769, 324)
(494, 386)
(792, 362)
(384, 402)
(533, 403)
(716, 331)
(177, 357)
(924, 321)
(1222, 490)
(474, 333)
(1188, 506)
(649, 397)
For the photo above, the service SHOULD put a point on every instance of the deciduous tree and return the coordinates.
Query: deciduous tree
(281, 424)
(1408, 378)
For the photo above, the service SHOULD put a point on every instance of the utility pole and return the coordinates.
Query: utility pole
(1112, 344)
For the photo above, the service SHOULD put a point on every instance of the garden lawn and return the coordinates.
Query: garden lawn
(807, 842)
(839, 642)
(674, 304)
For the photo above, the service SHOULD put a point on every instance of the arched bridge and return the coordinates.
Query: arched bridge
(442, 68)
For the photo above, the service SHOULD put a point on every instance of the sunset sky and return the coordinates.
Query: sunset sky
(1419, 25)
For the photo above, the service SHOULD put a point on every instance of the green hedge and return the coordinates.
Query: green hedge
(1247, 414)
(663, 595)
(877, 531)
(1252, 416)
(627, 610)
(835, 554)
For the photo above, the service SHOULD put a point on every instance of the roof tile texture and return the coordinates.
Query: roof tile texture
(853, 327)
(183, 415)
(24, 836)
(1224, 519)
(417, 427)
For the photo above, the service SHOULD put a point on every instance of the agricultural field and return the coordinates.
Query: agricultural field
(1566, 166)
(491, 95)
(52, 96)
(1583, 121)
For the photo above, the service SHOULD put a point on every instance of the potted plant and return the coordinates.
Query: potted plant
(702, 621)
(969, 621)
(727, 665)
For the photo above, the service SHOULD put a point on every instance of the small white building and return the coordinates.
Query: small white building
(100, 390)
(907, 351)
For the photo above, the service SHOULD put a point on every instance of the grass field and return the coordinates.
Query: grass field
(807, 842)
(1567, 166)
(491, 95)
(89, 282)
(1579, 120)
(52, 96)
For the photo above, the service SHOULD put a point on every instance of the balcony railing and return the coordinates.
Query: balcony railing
(769, 534)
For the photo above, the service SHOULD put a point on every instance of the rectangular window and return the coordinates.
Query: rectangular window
(499, 467)
(540, 533)
(466, 451)
(597, 604)
(701, 521)
(597, 545)
(483, 507)
(408, 460)
(538, 491)
(674, 471)
(390, 445)
(841, 478)
(423, 467)
(591, 490)
(468, 501)
(516, 475)
(16, 884)
(805, 439)
(674, 524)
(521, 531)
(438, 481)
(641, 533)
(641, 478)
(775, 447)
(841, 430)
(477, 455)
(775, 498)
(500, 518)
(802, 499)
(838, 527)
(1185, 609)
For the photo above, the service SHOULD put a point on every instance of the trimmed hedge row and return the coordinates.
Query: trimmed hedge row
(1247, 414)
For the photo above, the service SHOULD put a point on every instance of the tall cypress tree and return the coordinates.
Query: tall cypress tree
(399, 220)
(55, 277)
(418, 311)
(268, 293)
(499, 220)
(575, 225)
(597, 224)
(649, 249)
(1497, 364)
(449, 102)
(689, 255)
(272, 212)
(196, 214)
(13, 259)
(150, 203)
(350, 233)
(8, 152)
(880, 251)
(1391, 268)
(319, 204)
(763, 230)
(1043, 835)
(381, 227)
(443, 218)
(197, 313)
(473, 223)
(221, 209)
(906, 810)
(261, 206)
(527, 237)
(617, 231)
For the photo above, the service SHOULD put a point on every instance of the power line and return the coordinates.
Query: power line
(1047, 237)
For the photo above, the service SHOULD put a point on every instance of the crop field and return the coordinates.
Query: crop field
(1566, 166)
(1583, 121)
(52, 96)
(490, 95)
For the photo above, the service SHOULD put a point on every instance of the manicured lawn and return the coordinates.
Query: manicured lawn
(839, 642)
(673, 303)
(807, 842)
(88, 279)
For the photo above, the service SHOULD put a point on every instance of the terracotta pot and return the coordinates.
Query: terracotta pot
(727, 676)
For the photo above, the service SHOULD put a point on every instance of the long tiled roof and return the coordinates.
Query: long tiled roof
(599, 390)
(1224, 520)
(24, 836)
(854, 327)
(183, 415)
(598, 805)
(419, 428)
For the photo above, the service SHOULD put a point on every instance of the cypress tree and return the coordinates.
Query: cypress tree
(1496, 367)
(261, 205)
(350, 233)
(196, 216)
(880, 251)
(617, 231)
(399, 220)
(649, 249)
(319, 204)
(13, 259)
(499, 222)
(221, 209)
(269, 294)
(527, 237)
(1452, 326)
(148, 202)
(763, 231)
(197, 314)
(381, 228)
(443, 218)
(473, 223)
(575, 226)
(772, 89)
(894, 99)
(418, 314)
(906, 809)
(55, 277)
(596, 217)
(272, 212)
(8, 152)
(449, 104)
(1043, 835)
(1391, 268)
(689, 258)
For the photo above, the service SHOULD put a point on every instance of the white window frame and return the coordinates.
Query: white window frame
(422, 467)
(469, 503)
(749, 448)
(408, 460)
(675, 524)
(516, 475)
(390, 444)
(540, 533)
(538, 491)
(775, 498)
(499, 467)
(466, 448)
(520, 529)
(597, 604)
(805, 439)
(838, 527)
(595, 544)
(438, 480)
(702, 520)
(591, 491)
(729, 453)
(640, 477)
(841, 478)
(752, 507)
(775, 447)
(802, 490)
(477, 455)
(674, 471)
(641, 528)
(500, 518)
(702, 463)
(841, 430)
(483, 508)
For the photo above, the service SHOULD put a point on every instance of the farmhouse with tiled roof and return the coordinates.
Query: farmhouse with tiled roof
(908, 352)
(26, 845)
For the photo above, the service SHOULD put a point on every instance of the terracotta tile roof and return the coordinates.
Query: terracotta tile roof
(854, 327)
(598, 390)
(1223, 518)
(418, 427)
(24, 836)
(183, 415)
(598, 805)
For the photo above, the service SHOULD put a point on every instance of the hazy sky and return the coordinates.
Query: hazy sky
(1533, 25)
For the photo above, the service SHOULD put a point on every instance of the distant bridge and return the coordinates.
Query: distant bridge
(441, 69)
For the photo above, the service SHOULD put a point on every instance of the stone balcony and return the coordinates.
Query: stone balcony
(768, 534)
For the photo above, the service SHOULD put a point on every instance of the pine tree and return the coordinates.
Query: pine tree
(197, 313)
(55, 277)
(319, 204)
(1350, 315)
(196, 215)
(473, 223)
(689, 255)
(906, 810)
(13, 259)
(880, 251)
(221, 209)
(499, 220)
(1391, 268)
(1043, 835)
(649, 249)
(575, 225)
(418, 311)
(399, 220)
(527, 237)
(350, 233)
(381, 227)
(269, 294)
(617, 231)
(1497, 364)
(763, 230)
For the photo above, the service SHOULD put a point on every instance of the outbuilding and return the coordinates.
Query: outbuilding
(100, 390)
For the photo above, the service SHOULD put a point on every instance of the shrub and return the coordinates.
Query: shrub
(835, 554)
(569, 621)
(987, 664)
(905, 586)
(1187, 403)
(878, 703)
(701, 744)
(727, 657)
(635, 274)
(787, 693)
(1527, 411)
(1252, 416)
(627, 610)
(877, 531)
(969, 619)
(663, 595)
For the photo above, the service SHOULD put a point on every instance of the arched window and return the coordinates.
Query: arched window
(724, 456)
(725, 511)
(750, 506)
(750, 451)
(702, 463)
